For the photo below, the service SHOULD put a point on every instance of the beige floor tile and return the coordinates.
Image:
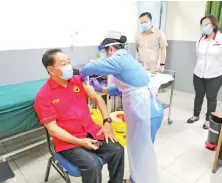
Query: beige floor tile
(172, 149)
(44, 150)
(188, 171)
(12, 164)
(60, 180)
(36, 174)
(30, 159)
(219, 173)
(167, 177)
(209, 177)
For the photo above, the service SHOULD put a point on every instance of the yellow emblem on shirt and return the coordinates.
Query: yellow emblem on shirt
(76, 89)
(56, 101)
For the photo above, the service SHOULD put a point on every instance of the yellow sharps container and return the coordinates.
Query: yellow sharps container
(118, 124)
(119, 127)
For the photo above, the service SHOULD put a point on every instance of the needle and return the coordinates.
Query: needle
(96, 77)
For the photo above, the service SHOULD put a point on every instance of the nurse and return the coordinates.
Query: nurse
(142, 110)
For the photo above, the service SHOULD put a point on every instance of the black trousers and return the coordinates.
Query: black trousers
(90, 165)
(208, 87)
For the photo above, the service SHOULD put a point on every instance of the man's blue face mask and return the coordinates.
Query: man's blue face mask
(67, 72)
(144, 27)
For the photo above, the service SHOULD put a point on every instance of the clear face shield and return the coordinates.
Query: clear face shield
(105, 50)
(101, 52)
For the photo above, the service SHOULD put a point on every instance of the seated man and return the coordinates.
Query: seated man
(61, 105)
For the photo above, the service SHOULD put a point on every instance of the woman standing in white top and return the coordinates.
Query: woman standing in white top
(207, 76)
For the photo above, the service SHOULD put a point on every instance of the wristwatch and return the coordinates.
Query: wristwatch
(161, 64)
(108, 120)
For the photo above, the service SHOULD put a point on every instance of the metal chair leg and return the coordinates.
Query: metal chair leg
(48, 169)
(61, 171)
(67, 179)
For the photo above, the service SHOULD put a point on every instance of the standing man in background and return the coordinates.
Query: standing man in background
(151, 45)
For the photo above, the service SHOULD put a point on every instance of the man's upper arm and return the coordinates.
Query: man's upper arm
(162, 40)
(90, 92)
(45, 109)
(51, 126)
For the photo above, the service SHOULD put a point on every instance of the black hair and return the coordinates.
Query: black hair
(213, 20)
(146, 14)
(47, 58)
(122, 40)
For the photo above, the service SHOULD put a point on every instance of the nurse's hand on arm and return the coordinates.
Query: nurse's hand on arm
(47, 115)
(107, 129)
(112, 90)
(95, 84)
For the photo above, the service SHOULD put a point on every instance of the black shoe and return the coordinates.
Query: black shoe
(192, 121)
(206, 125)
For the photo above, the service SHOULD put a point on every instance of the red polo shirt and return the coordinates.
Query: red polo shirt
(68, 106)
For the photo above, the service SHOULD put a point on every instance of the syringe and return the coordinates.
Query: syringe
(96, 77)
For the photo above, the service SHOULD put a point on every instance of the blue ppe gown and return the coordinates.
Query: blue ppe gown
(142, 110)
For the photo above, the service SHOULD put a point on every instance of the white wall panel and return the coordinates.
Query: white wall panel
(27, 24)
(183, 20)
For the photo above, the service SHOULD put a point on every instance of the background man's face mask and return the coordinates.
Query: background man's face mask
(67, 72)
(144, 27)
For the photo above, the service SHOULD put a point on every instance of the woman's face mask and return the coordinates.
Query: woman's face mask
(207, 27)
(207, 30)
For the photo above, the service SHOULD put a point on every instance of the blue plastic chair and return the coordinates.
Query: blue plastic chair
(61, 165)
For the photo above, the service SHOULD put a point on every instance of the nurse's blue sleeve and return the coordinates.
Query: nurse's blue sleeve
(108, 66)
(114, 91)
